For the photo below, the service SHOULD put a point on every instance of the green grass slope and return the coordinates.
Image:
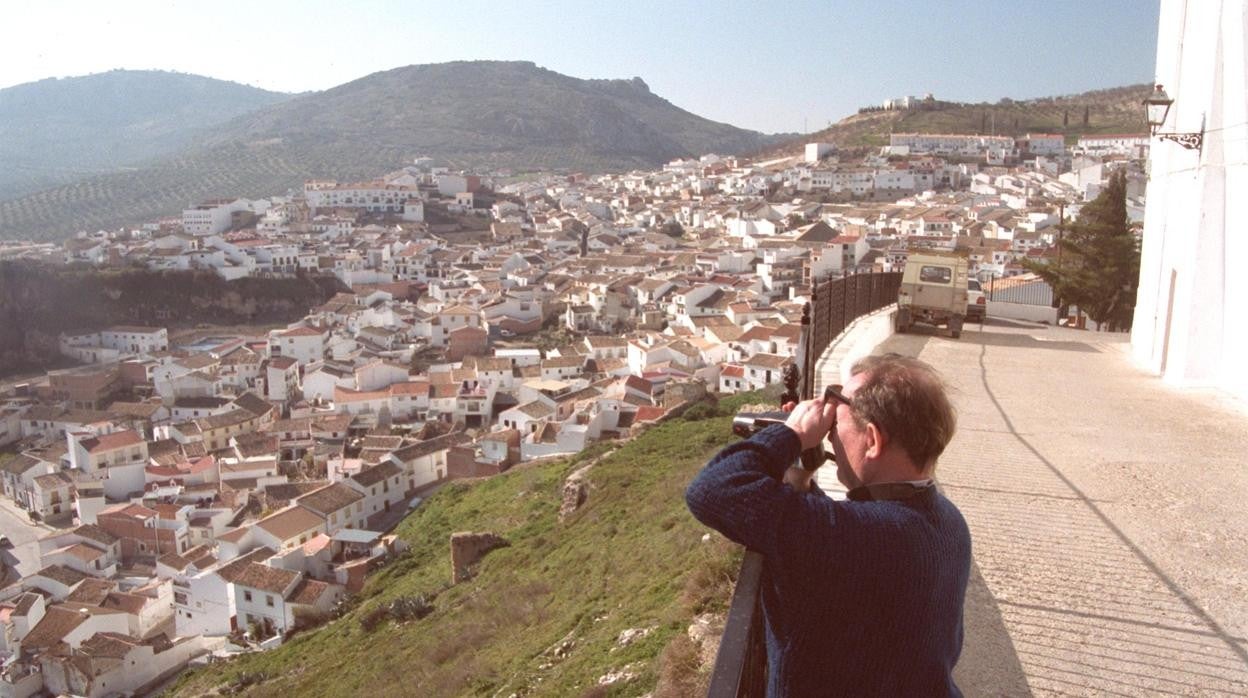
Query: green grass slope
(543, 616)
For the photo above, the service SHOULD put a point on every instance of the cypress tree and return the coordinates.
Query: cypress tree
(1099, 269)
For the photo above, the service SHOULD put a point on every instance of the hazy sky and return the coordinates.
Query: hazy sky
(771, 66)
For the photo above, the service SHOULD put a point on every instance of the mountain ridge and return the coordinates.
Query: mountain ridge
(56, 130)
(477, 114)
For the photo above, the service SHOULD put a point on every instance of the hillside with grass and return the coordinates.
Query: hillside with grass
(1115, 110)
(484, 115)
(610, 591)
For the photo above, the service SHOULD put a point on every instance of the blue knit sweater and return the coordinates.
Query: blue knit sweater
(860, 598)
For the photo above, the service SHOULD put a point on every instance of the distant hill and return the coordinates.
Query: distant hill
(468, 114)
(545, 615)
(1115, 110)
(59, 130)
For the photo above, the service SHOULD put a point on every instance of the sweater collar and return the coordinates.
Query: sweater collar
(887, 491)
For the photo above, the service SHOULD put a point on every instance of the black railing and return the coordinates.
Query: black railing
(836, 303)
(741, 664)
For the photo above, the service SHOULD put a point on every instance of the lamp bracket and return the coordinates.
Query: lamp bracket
(1191, 141)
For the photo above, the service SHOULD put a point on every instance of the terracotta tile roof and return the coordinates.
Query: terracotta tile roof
(53, 481)
(234, 536)
(109, 442)
(330, 498)
(639, 383)
(302, 331)
(773, 361)
(92, 591)
(254, 404)
(308, 592)
(19, 464)
(424, 448)
(289, 491)
(758, 332)
(108, 645)
(222, 421)
(83, 552)
(129, 510)
(229, 570)
(536, 409)
(409, 388)
(95, 533)
(25, 602)
(372, 476)
(122, 601)
(62, 574)
(272, 579)
(282, 363)
(289, 523)
(649, 413)
(174, 561)
(57, 622)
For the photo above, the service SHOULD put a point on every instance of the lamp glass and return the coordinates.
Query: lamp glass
(1157, 107)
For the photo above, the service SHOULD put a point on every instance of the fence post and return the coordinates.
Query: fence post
(806, 349)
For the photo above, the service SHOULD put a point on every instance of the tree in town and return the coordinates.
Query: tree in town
(1098, 267)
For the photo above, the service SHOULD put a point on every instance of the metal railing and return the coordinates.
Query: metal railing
(741, 665)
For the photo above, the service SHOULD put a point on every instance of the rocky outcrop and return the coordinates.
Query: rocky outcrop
(467, 549)
(575, 492)
(706, 631)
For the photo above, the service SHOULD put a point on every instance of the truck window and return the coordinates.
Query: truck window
(935, 275)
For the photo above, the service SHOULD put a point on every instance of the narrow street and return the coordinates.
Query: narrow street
(24, 555)
(1106, 510)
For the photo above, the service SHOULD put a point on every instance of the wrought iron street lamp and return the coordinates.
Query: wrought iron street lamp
(1157, 108)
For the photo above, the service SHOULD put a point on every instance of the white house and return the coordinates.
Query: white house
(212, 217)
(1188, 323)
(303, 344)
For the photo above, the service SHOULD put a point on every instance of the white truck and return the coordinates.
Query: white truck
(933, 291)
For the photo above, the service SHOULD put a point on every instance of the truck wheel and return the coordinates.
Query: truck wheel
(955, 326)
(902, 321)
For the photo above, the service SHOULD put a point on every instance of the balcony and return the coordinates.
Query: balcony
(1076, 481)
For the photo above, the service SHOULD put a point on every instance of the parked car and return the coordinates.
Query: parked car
(5, 542)
(976, 302)
(933, 291)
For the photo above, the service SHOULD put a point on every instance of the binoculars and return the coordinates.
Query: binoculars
(746, 424)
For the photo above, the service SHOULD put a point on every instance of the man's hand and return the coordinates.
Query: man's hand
(812, 420)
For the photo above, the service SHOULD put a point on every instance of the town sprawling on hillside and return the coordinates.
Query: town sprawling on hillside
(211, 492)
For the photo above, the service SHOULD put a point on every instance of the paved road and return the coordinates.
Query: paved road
(1106, 510)
(24, 555)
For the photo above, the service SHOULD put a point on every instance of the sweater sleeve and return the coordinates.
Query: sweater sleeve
(740, 492)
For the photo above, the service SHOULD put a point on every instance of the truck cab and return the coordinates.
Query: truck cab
(933, 291)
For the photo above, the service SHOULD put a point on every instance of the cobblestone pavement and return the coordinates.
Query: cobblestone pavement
(1106, 511)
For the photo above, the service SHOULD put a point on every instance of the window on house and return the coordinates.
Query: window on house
(247, 597)
(268, 600)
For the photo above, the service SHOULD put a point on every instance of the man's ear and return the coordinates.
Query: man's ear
(876, 441)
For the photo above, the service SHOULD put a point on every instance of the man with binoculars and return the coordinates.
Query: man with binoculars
(862, 597)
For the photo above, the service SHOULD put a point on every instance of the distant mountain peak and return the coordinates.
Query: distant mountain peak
(469, 114)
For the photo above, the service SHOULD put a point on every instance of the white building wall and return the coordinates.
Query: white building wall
(1188, 324)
